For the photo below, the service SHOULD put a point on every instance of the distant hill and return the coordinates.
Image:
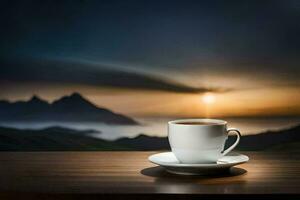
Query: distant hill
(270, 140)
(52, 139)
(63, 139)
(144, 143)
(73, 108)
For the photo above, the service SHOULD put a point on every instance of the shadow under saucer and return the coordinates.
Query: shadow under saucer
(160, 172)
(221, 183)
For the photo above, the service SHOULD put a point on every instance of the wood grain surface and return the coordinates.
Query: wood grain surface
(131, 172)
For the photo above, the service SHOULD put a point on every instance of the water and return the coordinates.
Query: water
(158, 126)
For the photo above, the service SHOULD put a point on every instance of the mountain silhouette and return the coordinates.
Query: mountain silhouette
(73, 108)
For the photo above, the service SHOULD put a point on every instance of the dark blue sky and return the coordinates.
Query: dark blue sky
(178, 40)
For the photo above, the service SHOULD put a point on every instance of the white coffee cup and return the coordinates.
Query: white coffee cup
(200, 140)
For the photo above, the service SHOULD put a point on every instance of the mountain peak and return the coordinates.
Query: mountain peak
(36, 99)
(76, 95)
(75, 101)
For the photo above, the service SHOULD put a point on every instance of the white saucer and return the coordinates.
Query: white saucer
(172, 165)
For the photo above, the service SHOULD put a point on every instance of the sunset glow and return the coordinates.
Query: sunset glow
(208, 98)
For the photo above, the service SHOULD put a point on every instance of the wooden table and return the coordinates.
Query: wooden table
(131, 172)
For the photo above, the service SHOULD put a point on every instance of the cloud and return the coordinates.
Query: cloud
(51, 71)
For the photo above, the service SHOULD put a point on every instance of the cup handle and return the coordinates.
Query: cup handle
(238, 134)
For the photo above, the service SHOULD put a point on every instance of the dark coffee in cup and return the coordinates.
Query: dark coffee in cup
(197, 123)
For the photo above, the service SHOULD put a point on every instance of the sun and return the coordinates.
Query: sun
(208, 98)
